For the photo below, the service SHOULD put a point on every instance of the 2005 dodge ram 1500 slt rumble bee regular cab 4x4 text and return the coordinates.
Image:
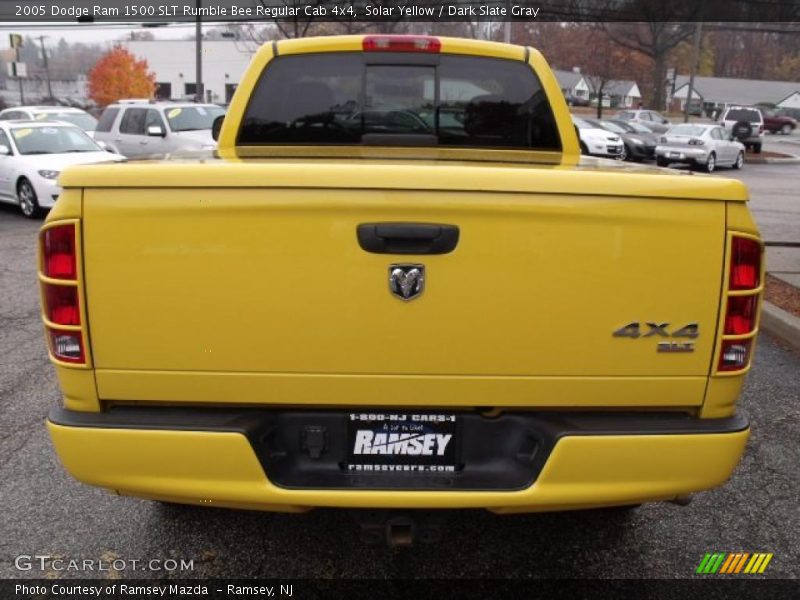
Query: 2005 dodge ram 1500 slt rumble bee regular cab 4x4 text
(398, 285)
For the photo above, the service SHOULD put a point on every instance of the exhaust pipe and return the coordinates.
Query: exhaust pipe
(683, 500)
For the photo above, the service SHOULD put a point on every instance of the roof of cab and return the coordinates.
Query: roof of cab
(355, 43)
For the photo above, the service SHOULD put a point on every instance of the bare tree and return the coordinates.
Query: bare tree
(654, 39)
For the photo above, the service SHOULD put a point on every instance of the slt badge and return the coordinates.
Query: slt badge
(406, 281)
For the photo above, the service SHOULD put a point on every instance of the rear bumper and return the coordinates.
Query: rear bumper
(642, 151)
(682, 154)
(231, 458)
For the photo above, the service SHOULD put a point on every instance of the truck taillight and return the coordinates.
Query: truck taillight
(61, 304)
(735, 355)
(67, 345)
(745, 264)
(741, 305)
(58, 252)
(60, 293)
(401, 43)
(740, 317)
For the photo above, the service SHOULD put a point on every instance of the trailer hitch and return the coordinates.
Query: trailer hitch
(399, 529)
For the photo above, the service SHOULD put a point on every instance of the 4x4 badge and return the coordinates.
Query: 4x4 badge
(406, 281)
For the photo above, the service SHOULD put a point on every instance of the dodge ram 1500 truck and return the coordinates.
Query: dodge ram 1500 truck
(397, 284)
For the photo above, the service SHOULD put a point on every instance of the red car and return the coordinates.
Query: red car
(775, 122)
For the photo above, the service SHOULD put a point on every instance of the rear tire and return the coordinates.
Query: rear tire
(28, 201)
(786, 129)
(739, 163)
(625, 154)
(661, 162)
(711, 163)
(757, 148)
(584, 149)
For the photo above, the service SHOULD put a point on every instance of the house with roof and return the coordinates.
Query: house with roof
(623, 93)
(572, 83)
(716, 92)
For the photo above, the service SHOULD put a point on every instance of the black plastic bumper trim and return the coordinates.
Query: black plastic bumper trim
(506, 452)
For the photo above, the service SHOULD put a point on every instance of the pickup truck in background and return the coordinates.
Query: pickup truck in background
(398, 285)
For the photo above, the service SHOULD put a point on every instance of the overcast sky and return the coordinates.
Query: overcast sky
(90, 33)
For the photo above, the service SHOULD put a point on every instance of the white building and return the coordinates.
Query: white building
(572, 83)
(173, 62)
(715, 92)
(623, 93)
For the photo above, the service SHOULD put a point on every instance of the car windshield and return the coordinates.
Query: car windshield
(582, 124)
(192, 118)
(612, 127)
(52, 140)
(687, 129)
(743, 114)
(82, 120)
(342, 99)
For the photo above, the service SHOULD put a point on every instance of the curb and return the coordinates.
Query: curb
(781, 324)
(789, 160)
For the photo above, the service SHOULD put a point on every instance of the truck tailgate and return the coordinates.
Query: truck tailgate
(273, 281)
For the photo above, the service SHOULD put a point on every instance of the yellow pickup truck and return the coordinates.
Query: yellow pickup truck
(398, 285)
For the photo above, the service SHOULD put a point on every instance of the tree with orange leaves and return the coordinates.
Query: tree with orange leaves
(119, 75)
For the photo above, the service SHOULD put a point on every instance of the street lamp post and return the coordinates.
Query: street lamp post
(46, 67)
(198, 49)
(698, 35)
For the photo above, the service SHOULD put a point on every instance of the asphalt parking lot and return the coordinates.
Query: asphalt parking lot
(45, 512)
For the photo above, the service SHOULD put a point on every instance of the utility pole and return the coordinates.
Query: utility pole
(698, 34)
(46, 67)
(15, 40)
(198, 49)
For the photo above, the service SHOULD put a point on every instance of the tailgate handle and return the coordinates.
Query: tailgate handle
(407, 238)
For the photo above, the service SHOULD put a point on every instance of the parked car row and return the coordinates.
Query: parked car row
(37, 142)
(701, 145)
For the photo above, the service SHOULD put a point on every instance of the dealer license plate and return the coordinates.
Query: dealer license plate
(402, 443)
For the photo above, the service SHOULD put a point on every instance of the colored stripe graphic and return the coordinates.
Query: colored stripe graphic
(728, 563)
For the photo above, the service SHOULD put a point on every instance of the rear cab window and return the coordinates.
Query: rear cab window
(749, 115)
(348, 98)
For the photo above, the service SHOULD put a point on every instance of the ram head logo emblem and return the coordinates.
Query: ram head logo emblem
(406, 281)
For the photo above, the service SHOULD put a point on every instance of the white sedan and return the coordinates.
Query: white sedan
(33, 153)
(698, 144)
(596, 141)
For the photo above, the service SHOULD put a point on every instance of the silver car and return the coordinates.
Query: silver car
(654, 121)
(145, 128)
(707, 146)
